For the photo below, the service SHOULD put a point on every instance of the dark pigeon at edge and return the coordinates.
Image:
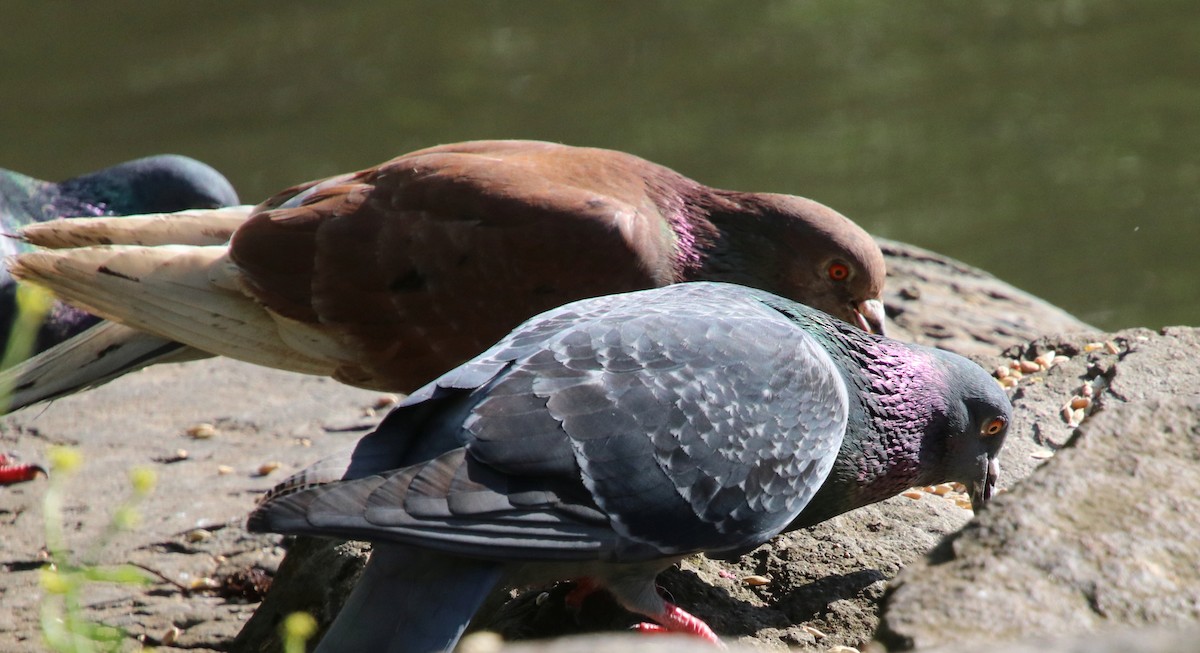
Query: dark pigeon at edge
(155, 184)
(608, 438)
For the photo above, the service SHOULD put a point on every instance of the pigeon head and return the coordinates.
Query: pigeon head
(156, 184)
(918, 416)
(800, 249)
(973, 427)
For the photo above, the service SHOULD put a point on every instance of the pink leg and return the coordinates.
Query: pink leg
(675, 619)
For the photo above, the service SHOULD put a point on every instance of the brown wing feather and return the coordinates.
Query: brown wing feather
(433, 256)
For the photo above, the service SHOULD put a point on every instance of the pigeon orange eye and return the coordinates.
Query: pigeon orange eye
(839, 271)
(995, 426)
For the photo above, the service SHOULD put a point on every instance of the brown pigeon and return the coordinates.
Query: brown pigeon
(387, 277)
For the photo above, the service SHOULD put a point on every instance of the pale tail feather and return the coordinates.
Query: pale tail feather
(91, 358)
(193, 227)
(185, 293)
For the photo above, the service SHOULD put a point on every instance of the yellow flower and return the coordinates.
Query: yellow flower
(64, 459)
(143, 480)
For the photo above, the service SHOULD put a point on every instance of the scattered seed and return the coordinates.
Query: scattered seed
(958, 487)
(756, 581)
(1014, 364)
(199, 535)
(943, 489)
(1008, 382)
(1080, 402)
(224, 470)
(1046, 360)
(1041, 455)
(1001, 372)
(385, 401)
(267, 468)
(842, 649)
(202, 431)
(1111, 347)
(203, 583)
(1087, 390)
(1067, 413)
(912, 494)
(1060, 359)
(1093, 346)
(814, 632)
(964, 502)
(168, 638)
(304, 442)
(1029, 367)
(1077, 416)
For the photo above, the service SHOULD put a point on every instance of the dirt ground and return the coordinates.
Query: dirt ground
(191, 526)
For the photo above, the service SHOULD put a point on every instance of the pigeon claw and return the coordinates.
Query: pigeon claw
(12, 472)
(675, 619)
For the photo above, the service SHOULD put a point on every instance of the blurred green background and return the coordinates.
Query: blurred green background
(1055, 143)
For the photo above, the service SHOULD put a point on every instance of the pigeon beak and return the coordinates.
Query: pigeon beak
(983, 489)
(868, 315)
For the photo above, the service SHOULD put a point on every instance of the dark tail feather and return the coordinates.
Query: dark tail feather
(410, 601)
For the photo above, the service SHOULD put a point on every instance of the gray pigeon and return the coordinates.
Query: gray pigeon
(609, 438)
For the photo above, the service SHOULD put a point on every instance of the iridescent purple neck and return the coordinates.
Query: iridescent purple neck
(901, 400)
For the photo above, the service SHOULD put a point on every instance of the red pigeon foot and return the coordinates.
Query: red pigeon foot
(12, 472)
(675, 619)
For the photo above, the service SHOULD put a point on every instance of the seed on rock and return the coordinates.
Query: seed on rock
(843, 649)
(203, 583)
(1080, 402)
(1009, 382)
(1087, 390)
(1014, 364)
(1001, 372)
(199, 535)
(814, 632)
(1067, 413)
(385, 401)
(1041, 455)
(267, 468)
(1077, 416)
(202, 431)
(1111, 347)
(912, 494)
(1046, 360)
(170, 636)
(1029, 367)
(943, 489)
(1093, 346)
(756, 581)
(224, 470)
(1060, 359)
